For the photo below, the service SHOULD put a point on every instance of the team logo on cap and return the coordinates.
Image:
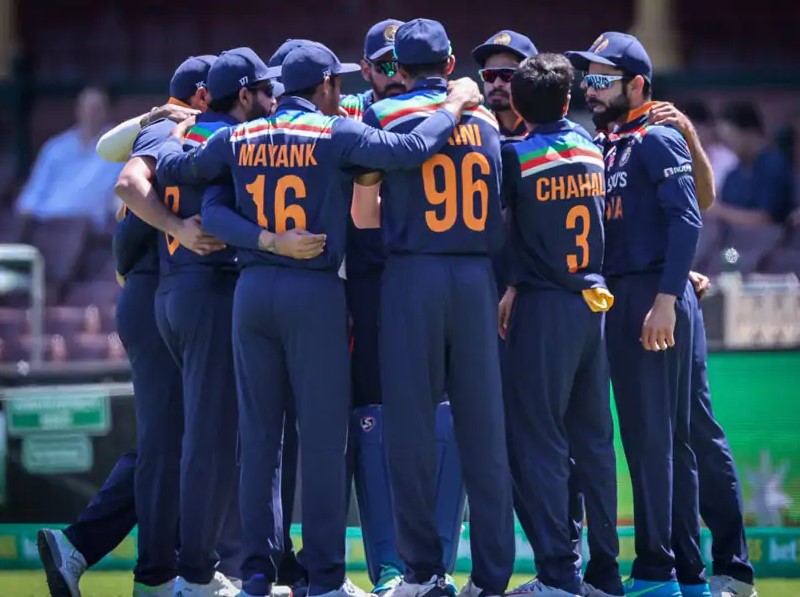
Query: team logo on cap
(367, 423)
(390, 32)
(200, 84)
(502, 40)
(599, 45)
(626, 155)
(243, 81)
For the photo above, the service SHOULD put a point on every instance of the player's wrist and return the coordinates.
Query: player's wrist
(664, 299)
(267, 241)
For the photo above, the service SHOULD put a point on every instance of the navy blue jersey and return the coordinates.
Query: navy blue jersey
(451, 205)
(135, 243)
(652, 218)
(185, 201)
(554, 186)
(296, 170)
(517, 133)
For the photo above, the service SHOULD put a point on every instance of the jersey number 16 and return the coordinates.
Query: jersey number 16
(283, 212)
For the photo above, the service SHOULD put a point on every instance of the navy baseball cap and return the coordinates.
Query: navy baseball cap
(421, 41)
(616, 49)
(190, 76)
(308, 64)
(505, 41)
(280, 54)
(380, 38)
(235, 69)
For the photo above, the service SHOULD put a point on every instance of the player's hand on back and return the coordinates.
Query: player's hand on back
(464, 92)
(171, 112)
(700, 283)
(666, 114)
(658, 331)
(504, 311)
(296, 243)
(180, 129)
(192, 236)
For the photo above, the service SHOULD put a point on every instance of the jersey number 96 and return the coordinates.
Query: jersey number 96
(283, 212)
(451, 195)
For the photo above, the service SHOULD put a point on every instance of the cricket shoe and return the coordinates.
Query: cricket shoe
(648, 588)
(63, 564)
(727, 586)
(348, 589)
(471, 590)
(537, 588)
(219, 586)
(166, 589)
(702, 590)
(390, 578)
(592, 591)
(437, 586)
(277, 591)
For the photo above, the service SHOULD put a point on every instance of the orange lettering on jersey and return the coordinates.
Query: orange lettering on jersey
(478, 140)
(585, 183)
(558, 187)
(467, 133)
(273, 150)
(572, 188)
(614, 208)
(455, 138)
(310, 160)
(261, 156)
(296, 156)
(618, 209)
(246, 155)
(543, 189)
(283, 158)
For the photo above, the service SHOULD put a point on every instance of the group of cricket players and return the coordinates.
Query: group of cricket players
(425, 291)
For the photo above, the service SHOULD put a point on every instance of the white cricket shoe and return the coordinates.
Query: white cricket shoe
(348, 589)
(471, 590)
(219, 586)
(63, 564)
(537, 588)
(726, 586)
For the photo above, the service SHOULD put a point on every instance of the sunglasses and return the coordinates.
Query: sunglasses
(387, 67)
(490, 75)
(601, 82)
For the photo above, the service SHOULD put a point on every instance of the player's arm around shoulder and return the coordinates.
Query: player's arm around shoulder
(200, 165)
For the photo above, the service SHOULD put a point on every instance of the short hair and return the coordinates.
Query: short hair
(743, 115)
(540, 87)
(224, 104)
(309, 92)
(431, 69)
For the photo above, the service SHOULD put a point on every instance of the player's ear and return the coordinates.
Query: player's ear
(566, 105)
(365, 68)
(451, 65)
(202, 98)
(637, 84)
(244, 92)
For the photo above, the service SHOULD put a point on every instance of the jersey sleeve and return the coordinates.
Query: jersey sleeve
(221, 219)
(510, 177)
(202, 165)
(150, 139)
(363, 145)
(669, 167)
(131, 238)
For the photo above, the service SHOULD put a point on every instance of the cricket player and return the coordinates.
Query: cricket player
(554, 186)
(294, 172)
(650, 245)
(439, 323)
(364, 266)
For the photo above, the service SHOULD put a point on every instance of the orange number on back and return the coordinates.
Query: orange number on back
(442, 221)
(579, 212)
(283, 212)
(172, 199)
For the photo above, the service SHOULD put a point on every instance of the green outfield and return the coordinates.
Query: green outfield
(118, 584)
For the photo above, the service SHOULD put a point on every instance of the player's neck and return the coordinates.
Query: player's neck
(508, 118)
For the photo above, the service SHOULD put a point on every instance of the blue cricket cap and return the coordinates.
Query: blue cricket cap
(505, 41)
(615, 49)
(235, 69)
(308, 64)
(191, 75)
(421, 41)
(380, 38)
(283, 50)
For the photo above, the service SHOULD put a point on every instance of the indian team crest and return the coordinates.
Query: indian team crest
(367, 424)
(625, 156)
(599, 45)
(390, 32)
(503, 39)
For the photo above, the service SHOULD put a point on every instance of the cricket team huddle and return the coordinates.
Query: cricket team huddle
(424, 289)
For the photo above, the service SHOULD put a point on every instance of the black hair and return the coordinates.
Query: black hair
(743, 115)
(431, 69)
(309, 92)
(540, 87)
(224, 104)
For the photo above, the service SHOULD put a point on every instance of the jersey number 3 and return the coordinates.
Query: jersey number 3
(447, 194)
(283, 212)
(579, 216)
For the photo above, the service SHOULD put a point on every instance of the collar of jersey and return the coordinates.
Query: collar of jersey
(292, 102)
(431, 83)
(553, 127)
(636, 117)
(216, 117)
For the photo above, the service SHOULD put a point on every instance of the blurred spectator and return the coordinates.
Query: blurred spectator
(758, 191)
(722, 159)
(69, 179)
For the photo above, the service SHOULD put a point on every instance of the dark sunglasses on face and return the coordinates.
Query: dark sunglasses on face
(387, 67)
(490, 75)
(601, 82)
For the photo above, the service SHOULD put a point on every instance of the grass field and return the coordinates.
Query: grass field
(31, 583)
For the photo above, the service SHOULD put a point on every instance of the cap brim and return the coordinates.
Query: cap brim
(481, 53)
(278, 89)
(581, 60)
(348, 67)
(378, 53)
